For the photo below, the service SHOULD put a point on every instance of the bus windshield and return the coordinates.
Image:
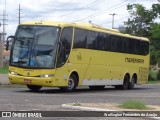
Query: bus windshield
(35, 46)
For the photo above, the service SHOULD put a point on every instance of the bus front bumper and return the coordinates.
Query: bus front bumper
(45, 81)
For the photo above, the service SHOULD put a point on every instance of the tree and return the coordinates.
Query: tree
(140, 20)
(142, 23)
(155, 43)
(156, 9)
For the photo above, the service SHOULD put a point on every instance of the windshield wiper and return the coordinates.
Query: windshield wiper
(25, 37)
(20, 61)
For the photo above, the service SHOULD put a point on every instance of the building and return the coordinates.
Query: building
(6, 55)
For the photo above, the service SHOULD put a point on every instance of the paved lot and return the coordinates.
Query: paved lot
(4, 79)
(51, 98)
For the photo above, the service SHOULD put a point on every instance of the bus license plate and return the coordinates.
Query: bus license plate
(27, 81)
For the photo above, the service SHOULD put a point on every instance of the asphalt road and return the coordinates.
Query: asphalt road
(50, 99)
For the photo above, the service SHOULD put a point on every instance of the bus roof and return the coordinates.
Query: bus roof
(84, 26)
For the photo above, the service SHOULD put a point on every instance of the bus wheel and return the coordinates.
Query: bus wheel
(72, 84)
(97, 87)
(125, 85)
(34, 87)
(132, 83)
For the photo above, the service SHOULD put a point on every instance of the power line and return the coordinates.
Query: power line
(114, 20)
(102, 12)
(61, 5)
(86, 6)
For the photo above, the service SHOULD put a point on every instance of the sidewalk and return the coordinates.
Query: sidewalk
(4, 79)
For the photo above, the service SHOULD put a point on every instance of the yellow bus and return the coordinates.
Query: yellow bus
(67, 55)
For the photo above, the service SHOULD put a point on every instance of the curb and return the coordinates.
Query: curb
(67, 106)
(84, 108)
(4, 79)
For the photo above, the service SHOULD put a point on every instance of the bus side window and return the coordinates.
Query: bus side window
(92, 41)
(101, 41)
(126, 45)
(146, 47)
(64, 46)
(80, 38)
(117, 45)
(114, 41)
(107, 43)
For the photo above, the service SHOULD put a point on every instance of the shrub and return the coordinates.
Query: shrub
(158, 75)
(152, 75)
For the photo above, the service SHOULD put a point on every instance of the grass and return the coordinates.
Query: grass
(4, 70)
(154, 82)
(76, 104)
(134, 104)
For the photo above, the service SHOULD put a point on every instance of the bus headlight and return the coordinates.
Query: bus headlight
(46, 75)
(13, 73)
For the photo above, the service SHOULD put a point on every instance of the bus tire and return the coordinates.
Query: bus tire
(72, 84)
(97, 87)
(34, 87)
(132, 83)
(125, 85)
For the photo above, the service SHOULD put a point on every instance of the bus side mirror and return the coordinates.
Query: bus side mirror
(7, 45)
(8, 41)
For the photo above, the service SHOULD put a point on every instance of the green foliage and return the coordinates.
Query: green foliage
(158, 75)
(142, 23)
(140, 20)
(152, 75)
(154, 82)
(156, 9)
(133, 104)
(155, 43)
(155, 28)
(153, 59)
(4, 70)
(154, 54)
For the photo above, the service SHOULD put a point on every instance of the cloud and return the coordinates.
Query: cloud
(68, 10)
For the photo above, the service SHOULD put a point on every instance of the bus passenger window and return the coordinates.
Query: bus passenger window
(100, 41)
(80, 38)
(107, 43)
(92, 41)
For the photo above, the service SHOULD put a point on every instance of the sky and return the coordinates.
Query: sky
(96, 11)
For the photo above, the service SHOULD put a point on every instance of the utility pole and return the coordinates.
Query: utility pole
(4, 25)
(19, 14)
(113, 19)
(2, 35)
(1, 52)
